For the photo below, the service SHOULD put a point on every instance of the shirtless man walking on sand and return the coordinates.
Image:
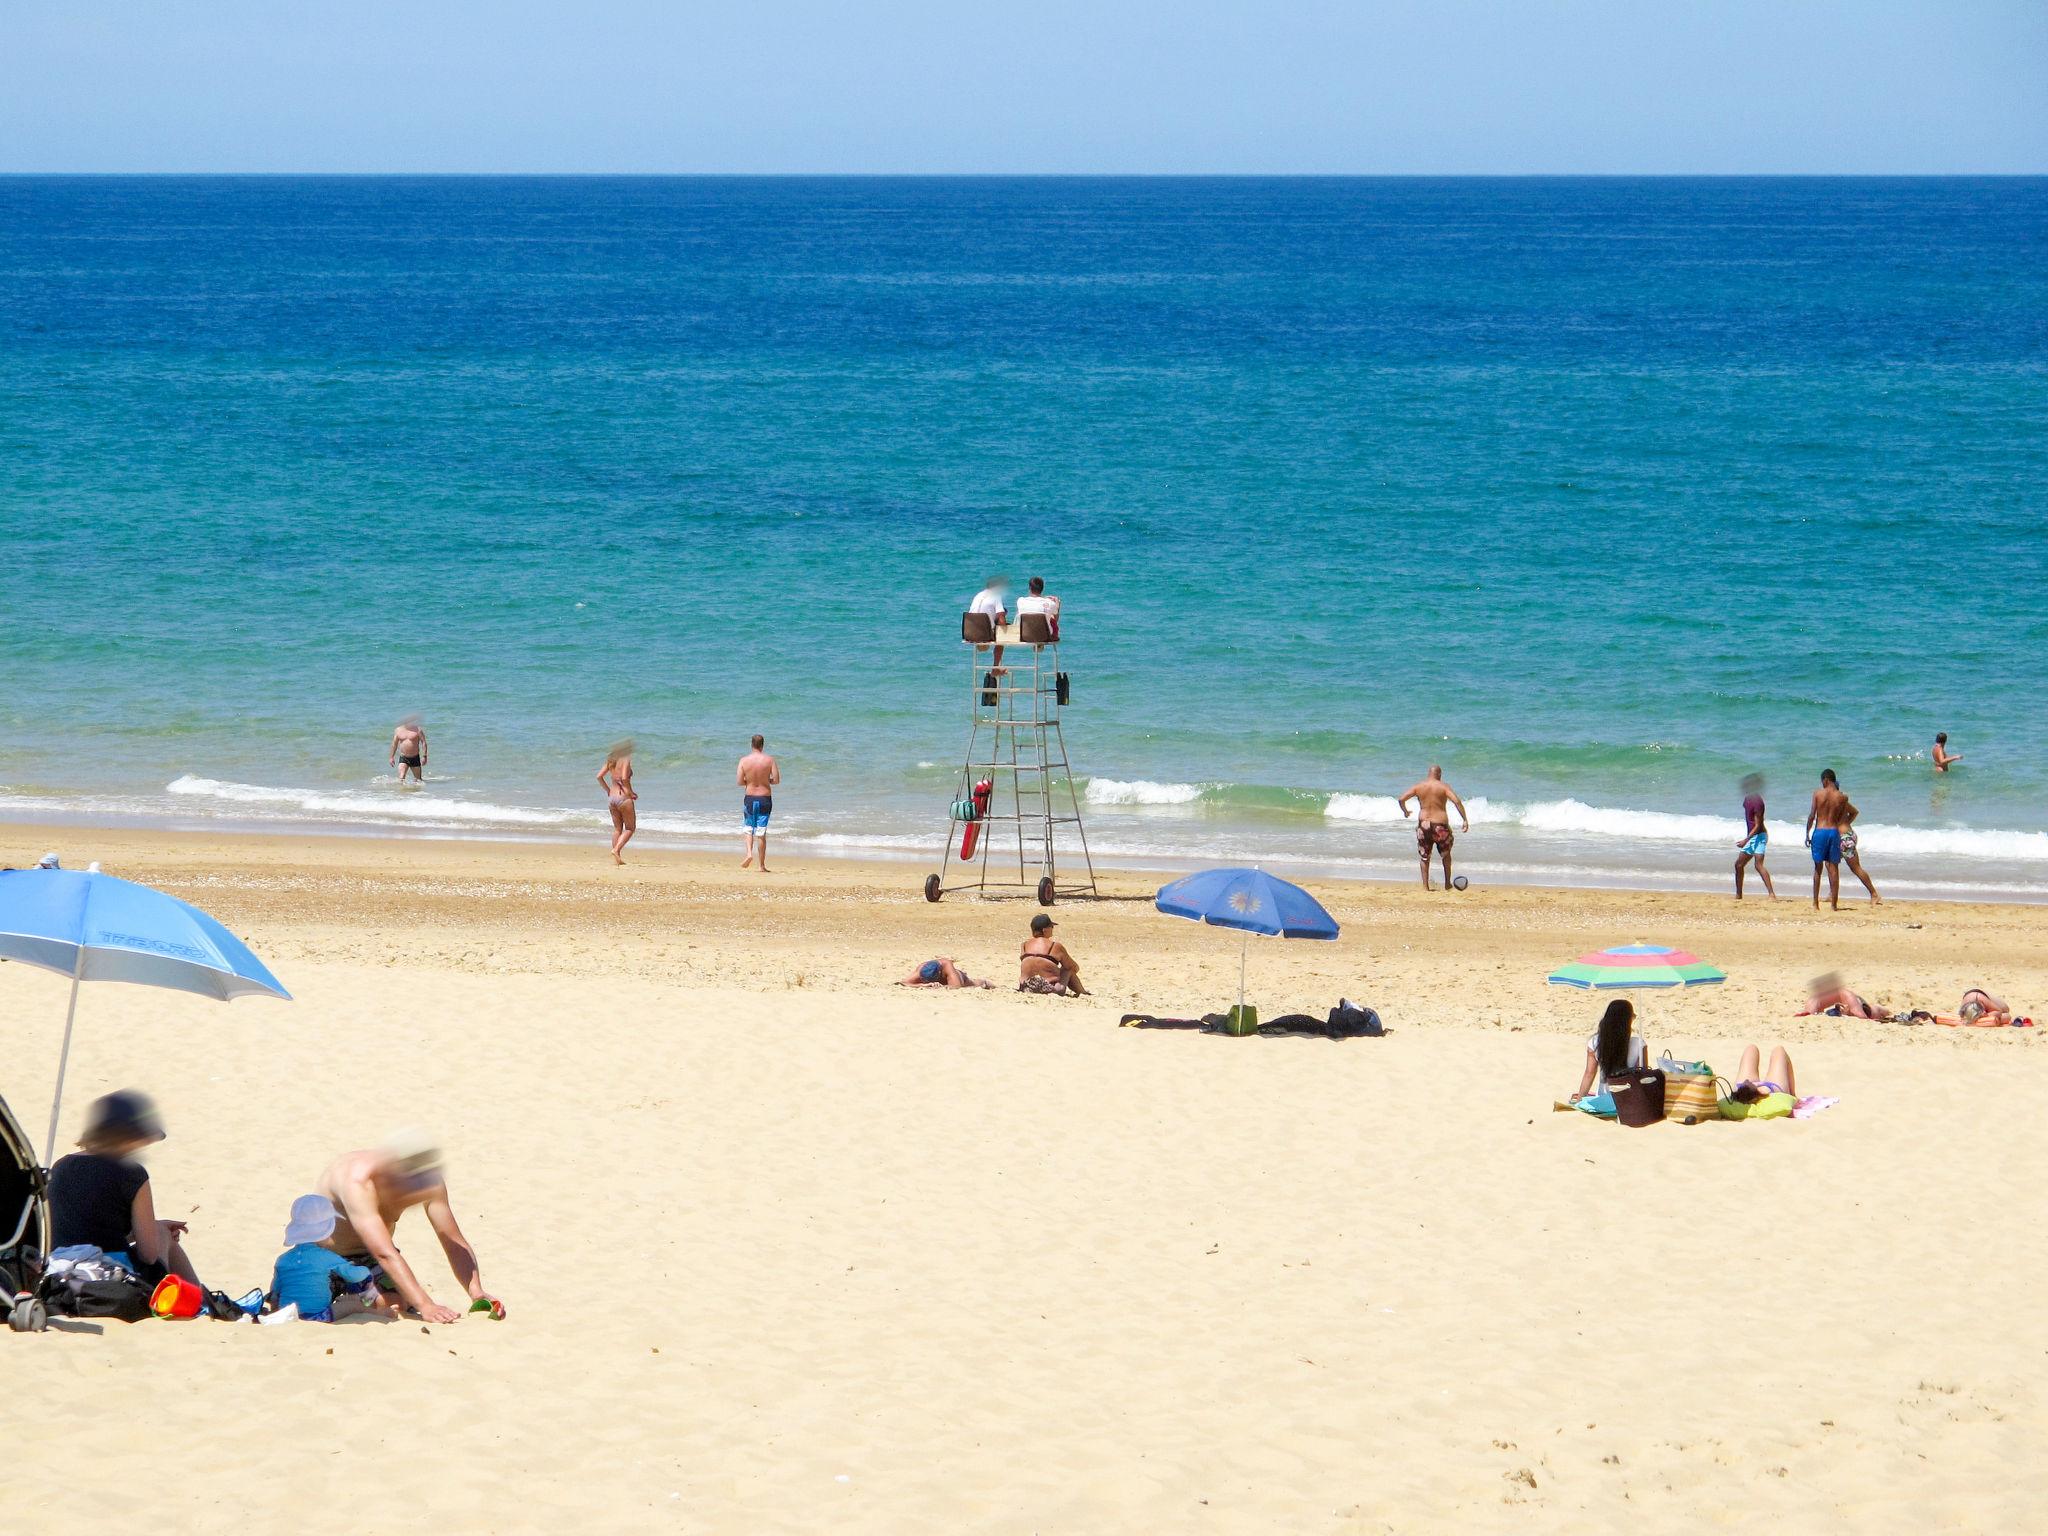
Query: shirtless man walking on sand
(1432, 822)
(371, 1190)
(409, 749)
(1824, 823)
(759, 774)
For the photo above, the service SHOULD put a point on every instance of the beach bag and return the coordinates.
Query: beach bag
(1690, 1092)
(1638, 1097)
(966, 810)
(95, 1287)
(1347, 1018)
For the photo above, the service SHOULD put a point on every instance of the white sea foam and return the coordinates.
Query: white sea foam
(396, 806)
(1140, 792)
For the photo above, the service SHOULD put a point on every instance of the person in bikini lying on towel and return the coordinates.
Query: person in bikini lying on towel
(1827, 994)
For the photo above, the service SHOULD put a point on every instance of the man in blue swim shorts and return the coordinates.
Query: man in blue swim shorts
(1824, 823)
(759, 774)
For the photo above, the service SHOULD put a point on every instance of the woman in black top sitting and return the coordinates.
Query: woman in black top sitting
(100, 1195)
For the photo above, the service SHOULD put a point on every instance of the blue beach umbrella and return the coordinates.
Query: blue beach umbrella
(93, 927)
(1251, 901)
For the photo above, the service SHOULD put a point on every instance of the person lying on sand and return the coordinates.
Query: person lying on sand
(1828, 995)
(1751, 1084)
(371, 1190)
(1978, 1010)
(1044, 964)
(1614, 1050)
(941, 972)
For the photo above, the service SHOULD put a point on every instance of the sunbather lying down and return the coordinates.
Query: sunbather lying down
(1978, 1010)
(1828, 995)
(941, 972)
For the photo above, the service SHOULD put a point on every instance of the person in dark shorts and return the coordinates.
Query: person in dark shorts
(409, 750)
(759, 773)
(100, 1195)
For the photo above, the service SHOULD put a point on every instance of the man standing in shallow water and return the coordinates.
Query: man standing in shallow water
(759, 774)
(409, 749)
(1433, 822)
(1824, 823)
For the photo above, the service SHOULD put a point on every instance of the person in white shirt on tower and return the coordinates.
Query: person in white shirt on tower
(1038, 602)
(993, 600)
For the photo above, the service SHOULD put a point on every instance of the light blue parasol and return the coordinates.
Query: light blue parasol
(93, 927)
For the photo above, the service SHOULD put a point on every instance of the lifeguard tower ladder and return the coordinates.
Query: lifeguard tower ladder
(1016, 789)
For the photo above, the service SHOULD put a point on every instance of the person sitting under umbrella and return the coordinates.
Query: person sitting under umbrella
(1044, 964)
(100, 1195)
(1614, 1050)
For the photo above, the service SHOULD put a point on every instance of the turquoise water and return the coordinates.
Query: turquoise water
(1602, 493)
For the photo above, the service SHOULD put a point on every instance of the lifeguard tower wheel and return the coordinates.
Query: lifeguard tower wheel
(933, 889)
(1046, 892)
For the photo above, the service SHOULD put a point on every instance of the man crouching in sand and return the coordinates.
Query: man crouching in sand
(371, 1190)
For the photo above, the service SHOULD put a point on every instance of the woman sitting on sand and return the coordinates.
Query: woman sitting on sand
(1614, 1050)
(941, 972)
(617, 778)
(1044, 966)
(100, 1195)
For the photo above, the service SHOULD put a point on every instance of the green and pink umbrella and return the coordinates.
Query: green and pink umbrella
(1638, 965)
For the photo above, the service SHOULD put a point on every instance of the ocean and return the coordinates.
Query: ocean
(1602, 493)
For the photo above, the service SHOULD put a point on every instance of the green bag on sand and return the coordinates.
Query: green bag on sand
(1243, 1019)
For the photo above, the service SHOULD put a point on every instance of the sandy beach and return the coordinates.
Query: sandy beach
(787, 1248)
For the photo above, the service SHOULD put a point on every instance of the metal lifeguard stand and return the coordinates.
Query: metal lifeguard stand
(1015, 749)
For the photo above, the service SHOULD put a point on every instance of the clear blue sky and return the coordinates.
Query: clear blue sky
(1025, 85)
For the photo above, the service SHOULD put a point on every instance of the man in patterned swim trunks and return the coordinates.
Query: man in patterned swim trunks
(1433, 822)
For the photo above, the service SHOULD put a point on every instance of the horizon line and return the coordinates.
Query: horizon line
(649, 175)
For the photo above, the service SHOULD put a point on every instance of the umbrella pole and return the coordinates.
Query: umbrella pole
(1243, 950)
(64, 1058)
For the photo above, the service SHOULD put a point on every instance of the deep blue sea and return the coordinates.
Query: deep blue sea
(1600, 492)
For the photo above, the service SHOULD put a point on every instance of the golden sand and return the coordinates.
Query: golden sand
(787, 1248)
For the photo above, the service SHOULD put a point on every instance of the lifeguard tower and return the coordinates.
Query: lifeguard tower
(1016, 790)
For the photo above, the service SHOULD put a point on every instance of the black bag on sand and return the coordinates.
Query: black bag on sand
(1638, 1097)
(125, 1300)
(1350, 1019)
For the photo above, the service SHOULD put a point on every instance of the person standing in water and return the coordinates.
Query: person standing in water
(758, 775)
(1943, 758)
(409, 749)
(1849, 815)
(1824, 837)
(1433, 822)
(1756, 838)
(617, 778)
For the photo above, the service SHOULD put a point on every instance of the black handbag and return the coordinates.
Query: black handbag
(1638, 1097)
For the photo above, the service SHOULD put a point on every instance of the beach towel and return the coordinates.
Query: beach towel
(1813, 1104)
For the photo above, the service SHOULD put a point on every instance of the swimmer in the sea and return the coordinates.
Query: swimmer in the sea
(409, 749)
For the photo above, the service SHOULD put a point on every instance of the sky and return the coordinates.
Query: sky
(1015, 86)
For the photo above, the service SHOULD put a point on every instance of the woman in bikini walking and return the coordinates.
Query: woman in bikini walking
(617, 778)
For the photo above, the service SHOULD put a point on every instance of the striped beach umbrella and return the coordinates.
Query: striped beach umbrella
(1637, 965)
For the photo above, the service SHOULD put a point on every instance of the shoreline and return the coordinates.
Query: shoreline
(853, 924)
(1553, 874)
